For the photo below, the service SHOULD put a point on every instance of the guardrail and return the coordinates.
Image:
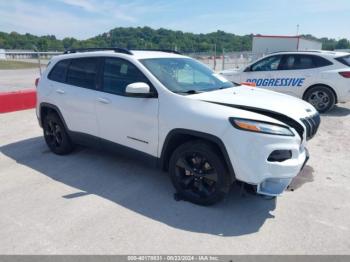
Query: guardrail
(40, 57)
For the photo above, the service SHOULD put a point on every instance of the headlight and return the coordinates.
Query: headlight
(261, 127)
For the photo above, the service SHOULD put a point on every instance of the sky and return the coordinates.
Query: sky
(87, 18)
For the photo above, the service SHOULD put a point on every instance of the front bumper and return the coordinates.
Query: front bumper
(249, 154)
(275, 186)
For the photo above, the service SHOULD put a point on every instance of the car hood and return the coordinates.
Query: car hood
(245, 97)
(230, 72)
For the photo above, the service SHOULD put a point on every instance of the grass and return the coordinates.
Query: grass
(8, 64)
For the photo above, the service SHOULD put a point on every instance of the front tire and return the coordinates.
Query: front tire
(198, 173)
(321, 97)
(56, 136)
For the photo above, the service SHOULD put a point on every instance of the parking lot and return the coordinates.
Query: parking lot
(92, 202)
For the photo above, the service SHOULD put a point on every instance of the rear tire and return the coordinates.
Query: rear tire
(321, 97)
(198, 173)
(56, 136)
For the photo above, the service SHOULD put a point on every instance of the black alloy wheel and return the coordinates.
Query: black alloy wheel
(198, 173)
(56, 136)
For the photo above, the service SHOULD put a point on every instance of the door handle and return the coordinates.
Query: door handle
(103, 100)
(60, 91)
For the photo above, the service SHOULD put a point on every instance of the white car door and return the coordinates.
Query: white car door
(289, 74)
(128, 121)
(73, 82)
(297, 72)
(265, 73)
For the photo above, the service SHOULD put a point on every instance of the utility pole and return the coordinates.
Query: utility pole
(38, 56)
(223, 59)
(214, 56)
(298, 29)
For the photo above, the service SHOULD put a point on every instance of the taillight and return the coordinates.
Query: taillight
(37, 82)
(345, 74)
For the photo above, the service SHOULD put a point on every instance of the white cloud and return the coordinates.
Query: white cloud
(84, 4)
(94, 17)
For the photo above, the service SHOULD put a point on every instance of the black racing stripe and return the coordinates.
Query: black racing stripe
(275, 115)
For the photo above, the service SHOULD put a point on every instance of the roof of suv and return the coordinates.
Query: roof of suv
(137, 54)
(315, 52)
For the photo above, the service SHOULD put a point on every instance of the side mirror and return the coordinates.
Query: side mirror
(247, 69)
(138, 89)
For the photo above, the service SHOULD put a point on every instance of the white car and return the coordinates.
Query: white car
(174, 111)
(320, 77)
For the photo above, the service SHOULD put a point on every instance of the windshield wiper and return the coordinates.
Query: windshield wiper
(189, 92)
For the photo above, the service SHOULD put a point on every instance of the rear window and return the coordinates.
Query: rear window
(58, 73)
(82, 72)
(344, 60)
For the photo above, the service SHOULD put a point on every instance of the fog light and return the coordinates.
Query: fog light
(280, 155)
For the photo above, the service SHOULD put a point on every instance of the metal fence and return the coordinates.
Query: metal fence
(229, 60)
(232, 60)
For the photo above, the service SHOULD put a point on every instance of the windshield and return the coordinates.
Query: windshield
(344, 59)
(185, 75)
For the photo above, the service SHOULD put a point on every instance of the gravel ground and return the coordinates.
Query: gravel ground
(18, 79)
(91, 202)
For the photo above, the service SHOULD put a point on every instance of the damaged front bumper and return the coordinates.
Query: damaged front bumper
(275, 186)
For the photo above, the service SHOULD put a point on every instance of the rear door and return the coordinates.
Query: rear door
(128, 121)
(297, 72)
(74, 93)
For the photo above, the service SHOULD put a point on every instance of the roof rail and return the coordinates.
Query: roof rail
(159, 50)
(297, 51)
(115, 49)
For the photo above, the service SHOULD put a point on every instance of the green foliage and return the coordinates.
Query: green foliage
(146, 37)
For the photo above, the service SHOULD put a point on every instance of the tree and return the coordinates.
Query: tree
(146, 37)
(343, 44)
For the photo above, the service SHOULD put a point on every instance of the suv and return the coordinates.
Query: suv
(320, 77)
(168, 108)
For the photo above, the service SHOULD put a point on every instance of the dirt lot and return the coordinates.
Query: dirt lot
(91, 202)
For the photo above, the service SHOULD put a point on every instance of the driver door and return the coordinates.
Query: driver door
(128, 121)
(264, 73)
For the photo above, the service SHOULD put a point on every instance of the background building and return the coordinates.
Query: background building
(269, 44)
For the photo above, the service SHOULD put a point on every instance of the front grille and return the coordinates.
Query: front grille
(311, 124)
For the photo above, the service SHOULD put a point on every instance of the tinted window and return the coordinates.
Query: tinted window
(320, 61)
(83, 72)
(268, 64)
(298, 62)
(58, 73)
(119, 73)
(344, 59)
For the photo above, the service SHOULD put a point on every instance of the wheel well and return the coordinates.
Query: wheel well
(330, 88)
(178, 139)
(46, 109)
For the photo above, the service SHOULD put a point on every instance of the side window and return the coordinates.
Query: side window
(268, 64)
(58, 73)
(83, 72)
(299, 62)
(320, 61)
(304, 62)
(119, 73)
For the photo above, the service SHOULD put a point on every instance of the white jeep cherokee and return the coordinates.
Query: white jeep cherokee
(206, 131)
(320, 77)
